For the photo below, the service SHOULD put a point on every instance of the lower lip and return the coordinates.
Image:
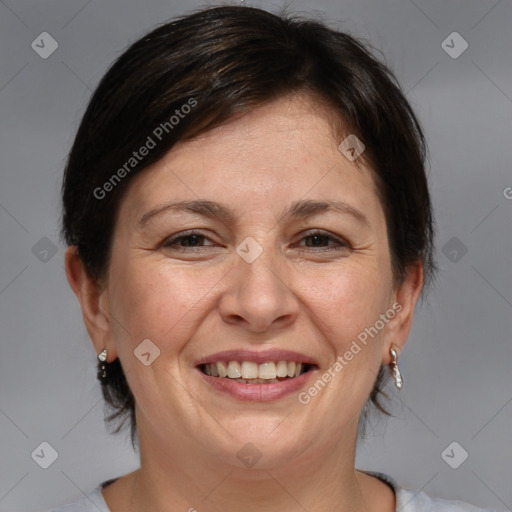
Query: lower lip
(257, 392)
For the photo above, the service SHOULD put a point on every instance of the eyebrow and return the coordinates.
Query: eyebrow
(298, 210)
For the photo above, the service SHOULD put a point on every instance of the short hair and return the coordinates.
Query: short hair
(222, 62)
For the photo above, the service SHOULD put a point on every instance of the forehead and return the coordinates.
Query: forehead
(286, 149)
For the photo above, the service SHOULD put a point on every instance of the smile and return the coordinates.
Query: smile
(256, 382)
(249, 372)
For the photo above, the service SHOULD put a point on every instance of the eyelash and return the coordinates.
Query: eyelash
(342, 244)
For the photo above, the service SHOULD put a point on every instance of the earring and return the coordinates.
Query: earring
(102, 365)
(399, 381)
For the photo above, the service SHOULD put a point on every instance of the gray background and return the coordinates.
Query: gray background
(456, 364)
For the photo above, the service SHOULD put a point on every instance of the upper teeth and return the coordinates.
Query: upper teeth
(251, 370)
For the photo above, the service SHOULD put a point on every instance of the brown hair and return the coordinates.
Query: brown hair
(228, 60)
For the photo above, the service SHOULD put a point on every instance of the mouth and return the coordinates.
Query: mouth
(249, 372)
(260, 377)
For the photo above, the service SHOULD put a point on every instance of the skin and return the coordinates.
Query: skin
(197, 300)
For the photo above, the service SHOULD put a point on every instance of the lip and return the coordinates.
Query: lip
(258, 392)
(260, 357)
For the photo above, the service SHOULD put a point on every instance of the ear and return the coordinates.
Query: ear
(404, 299)
(93, 301)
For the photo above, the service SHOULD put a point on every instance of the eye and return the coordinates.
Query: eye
(187, 239)
(319, 238)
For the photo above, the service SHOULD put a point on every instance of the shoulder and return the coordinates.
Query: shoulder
(415, 500)
(91, 502)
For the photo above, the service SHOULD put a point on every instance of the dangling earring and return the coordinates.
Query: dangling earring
(399, 381)
(102, 369)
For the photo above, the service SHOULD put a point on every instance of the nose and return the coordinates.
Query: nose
(259, 296)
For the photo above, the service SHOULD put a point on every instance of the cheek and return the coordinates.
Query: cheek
(156, 302)
(345, 302)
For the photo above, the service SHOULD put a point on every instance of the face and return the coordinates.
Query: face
(282, 255)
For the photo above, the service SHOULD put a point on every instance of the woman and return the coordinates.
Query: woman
(249, 230)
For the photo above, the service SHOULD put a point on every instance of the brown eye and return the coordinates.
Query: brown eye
(320, 240)
(189, 239)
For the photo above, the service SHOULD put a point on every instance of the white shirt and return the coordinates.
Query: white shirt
(407, 500)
